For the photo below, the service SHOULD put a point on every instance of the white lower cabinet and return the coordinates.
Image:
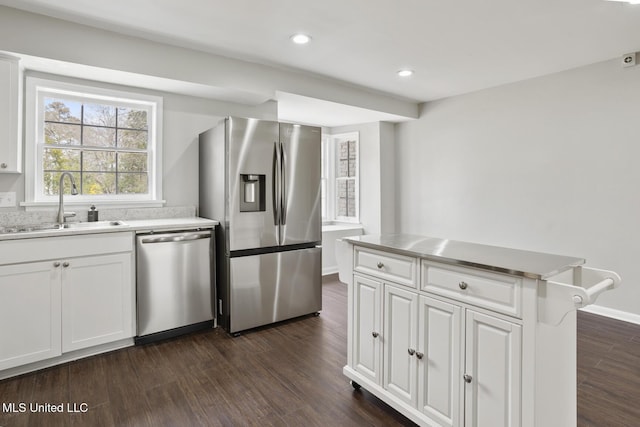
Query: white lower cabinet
(96, 301)
(444, 362)
(492, 371)
(400, 339)
(29, 313)
(440, 361)
(367, 317)
(52, 307)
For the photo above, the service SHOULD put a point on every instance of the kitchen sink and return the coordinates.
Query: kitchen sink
(90, 225)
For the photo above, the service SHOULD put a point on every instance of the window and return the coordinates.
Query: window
(108, 140)
(340, 179)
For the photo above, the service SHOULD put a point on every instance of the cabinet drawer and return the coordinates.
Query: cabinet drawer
(497, 292)
(44, 248)
(397, 268)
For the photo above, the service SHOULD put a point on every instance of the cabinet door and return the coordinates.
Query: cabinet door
(97, 296)
(367, 339)
(440, 340)
(400, 339)
(492, 371)
(10, 142)
(29, 313)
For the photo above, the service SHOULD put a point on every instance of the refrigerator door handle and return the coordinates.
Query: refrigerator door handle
(283, 185)
(276, 184)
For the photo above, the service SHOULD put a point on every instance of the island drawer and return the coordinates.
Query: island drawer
(398, 268)
(497, 292)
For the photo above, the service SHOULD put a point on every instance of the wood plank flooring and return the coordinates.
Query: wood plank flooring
(608, 372)
(288, 375)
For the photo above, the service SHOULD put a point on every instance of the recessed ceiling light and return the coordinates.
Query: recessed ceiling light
(405, 73)
(300, 38)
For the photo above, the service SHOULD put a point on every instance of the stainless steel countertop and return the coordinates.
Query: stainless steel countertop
(535, 265)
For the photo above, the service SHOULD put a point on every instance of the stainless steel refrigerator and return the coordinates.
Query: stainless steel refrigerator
(261, 180)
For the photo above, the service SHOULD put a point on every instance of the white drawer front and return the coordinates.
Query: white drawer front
(497, 292)
(38, 249)
(397, 268)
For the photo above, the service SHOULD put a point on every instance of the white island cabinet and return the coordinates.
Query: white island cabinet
(62, 295)
(459, 334)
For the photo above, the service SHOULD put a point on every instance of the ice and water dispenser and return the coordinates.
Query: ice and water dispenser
(252, 189)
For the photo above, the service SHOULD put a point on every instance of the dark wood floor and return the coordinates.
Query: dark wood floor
(289, 375)
(608, 372)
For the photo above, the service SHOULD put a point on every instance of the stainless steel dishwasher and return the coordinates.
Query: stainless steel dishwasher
(174, 283)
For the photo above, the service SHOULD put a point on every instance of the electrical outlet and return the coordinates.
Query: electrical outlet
(7, 199)
(629, 60)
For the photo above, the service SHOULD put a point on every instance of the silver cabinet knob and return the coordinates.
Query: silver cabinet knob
(56, 264)
(411, 351)
(467, 378)
(4, 165)
(380, 265)
(375, 334)
(463, 285)
(65, 264)
(419, 355)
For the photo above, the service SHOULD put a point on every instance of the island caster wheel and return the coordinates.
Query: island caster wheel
(316, 314)
(355, 385)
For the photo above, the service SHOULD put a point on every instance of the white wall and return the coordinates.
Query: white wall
(40, 36)
(549, 164)
(185, 117)
(377, 188)
(377, 175)
(387, 178)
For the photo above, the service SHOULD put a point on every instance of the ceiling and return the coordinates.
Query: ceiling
(454, 47)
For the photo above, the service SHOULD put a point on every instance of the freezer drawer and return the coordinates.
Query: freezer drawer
(173, 280)
(271, 287)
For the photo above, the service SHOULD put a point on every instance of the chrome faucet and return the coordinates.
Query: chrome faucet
(62, 215)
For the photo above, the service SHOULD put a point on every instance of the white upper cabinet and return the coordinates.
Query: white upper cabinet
(10, 117)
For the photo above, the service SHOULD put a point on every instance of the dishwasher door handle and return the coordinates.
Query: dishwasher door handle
(177, 237)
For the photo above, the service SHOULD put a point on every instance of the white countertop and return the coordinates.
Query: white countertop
(140, 225)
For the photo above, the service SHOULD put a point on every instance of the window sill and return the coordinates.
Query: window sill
(340, 226)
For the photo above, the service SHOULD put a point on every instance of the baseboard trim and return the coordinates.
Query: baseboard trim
(329, 270)
(613, 313)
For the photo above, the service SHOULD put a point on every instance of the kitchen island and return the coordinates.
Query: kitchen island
(453, 333)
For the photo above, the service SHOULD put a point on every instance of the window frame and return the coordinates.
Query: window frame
(326, 179)
(330, 152)
(36, 89)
